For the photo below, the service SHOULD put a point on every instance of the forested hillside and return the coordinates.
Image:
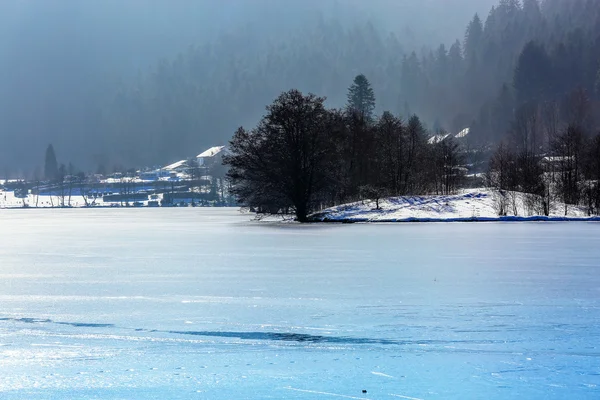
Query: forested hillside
(479, 81)
(65, 66)
(531, 56)
(101, 99)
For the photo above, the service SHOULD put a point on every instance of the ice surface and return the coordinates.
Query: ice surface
(200, 303)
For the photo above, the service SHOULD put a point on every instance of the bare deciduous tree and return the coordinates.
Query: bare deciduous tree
(568, 149)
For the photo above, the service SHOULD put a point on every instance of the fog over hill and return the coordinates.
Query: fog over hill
(83, 74)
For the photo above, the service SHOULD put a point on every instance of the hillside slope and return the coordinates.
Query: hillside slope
(471, 205)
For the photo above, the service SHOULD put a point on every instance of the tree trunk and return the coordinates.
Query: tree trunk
(301, 213)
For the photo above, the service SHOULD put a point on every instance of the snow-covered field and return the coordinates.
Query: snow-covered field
(470, 205)
(202, 304)
(8, 200)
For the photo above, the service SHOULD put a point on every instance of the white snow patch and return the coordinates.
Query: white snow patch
(325, 393)
(476, 204)
(405, 397)
(9, 200)
(382, 374)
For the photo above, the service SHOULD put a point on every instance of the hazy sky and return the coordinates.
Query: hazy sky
(54, 54)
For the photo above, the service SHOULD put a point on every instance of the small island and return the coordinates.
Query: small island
(349, 165)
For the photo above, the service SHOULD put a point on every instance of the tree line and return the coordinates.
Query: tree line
(522, 51)
(552, 154)
(528, 54)
(302, 156)
(59, 185)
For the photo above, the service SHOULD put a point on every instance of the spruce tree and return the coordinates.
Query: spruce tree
(533, 74)
(50, 165)
(361, 97)
(473, 39)
(455, 60)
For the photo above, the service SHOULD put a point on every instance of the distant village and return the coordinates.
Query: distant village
(197, 181)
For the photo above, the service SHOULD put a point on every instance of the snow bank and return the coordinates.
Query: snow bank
(475, 205)
(9, 200)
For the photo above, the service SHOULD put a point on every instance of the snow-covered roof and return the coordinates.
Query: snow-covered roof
(213, 151)
(550, 159)
(463, 133)
(175, 165)
(437, 138)
(440, 138)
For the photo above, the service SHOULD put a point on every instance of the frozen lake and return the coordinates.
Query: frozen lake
(201, 303)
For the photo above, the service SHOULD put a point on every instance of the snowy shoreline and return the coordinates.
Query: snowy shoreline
(477, 205)
(439, 220)
(355, 220)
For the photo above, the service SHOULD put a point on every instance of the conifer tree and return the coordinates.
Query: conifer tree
(533, 74)
(50, 165)
(473, 38)
(361, 97)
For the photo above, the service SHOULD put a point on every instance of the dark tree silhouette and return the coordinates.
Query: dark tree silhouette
(361, 97)
(391, 154)
(283, 163)
(50, 165)
(591, 170)
(447, 162)
(473, 38)
(533, 74)
(568, 150)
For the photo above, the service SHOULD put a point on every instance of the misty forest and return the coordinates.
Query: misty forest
(365, 99)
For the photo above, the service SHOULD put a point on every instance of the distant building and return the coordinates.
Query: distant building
(443, 136)
(178, 166)
(211, 156)
(208, 162)
(149, 176)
